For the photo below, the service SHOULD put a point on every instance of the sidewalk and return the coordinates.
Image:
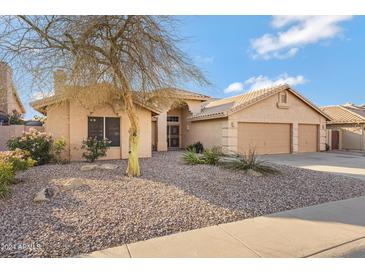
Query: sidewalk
(335, 229)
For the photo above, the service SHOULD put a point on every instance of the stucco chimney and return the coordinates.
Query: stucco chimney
(59, 79)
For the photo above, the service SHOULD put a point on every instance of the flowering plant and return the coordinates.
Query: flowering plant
(95, 148)
(38, 144)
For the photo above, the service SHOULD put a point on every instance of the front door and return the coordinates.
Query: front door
(335, 139)
(173, 136)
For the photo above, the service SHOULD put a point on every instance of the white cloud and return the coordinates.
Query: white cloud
(301, 31)
(234, 87)
(261, 81)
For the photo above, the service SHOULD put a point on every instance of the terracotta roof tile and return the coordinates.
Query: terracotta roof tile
(345, 114)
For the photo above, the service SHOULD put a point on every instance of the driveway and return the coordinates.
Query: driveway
(348, 164)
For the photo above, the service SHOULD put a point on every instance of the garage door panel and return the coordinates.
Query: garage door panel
(308, 138)
(264, 138)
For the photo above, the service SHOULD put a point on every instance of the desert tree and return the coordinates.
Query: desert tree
(132, 57)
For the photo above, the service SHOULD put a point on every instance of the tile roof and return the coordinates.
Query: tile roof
(41, 104)
(223, 107)
(345, 114)
(184, 94)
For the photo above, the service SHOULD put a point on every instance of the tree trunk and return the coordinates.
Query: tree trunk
(133, 168)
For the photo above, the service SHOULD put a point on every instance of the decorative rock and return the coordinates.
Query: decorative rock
(44, 195)
(108, 166)
(252, 172)
(88, 167)
(73, 183)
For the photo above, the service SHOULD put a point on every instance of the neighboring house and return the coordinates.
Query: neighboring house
(273, 120)
(346, 130)
(9, 100)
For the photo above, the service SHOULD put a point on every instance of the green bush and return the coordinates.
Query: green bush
(94, 148)
(245, 162)
(197, 147)
(19, 159)
(7, 174)
(4, 190)
(58, 147)
(16, 118)
(192, 158)
(212, 156)
(38, 144)
(209, 156)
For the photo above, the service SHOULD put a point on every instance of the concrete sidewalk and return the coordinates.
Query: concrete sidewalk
(335, 229)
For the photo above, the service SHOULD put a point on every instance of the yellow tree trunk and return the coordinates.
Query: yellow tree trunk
(133, 168)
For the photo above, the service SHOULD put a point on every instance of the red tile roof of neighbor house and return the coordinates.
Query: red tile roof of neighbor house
(345, 114)
(223, 107)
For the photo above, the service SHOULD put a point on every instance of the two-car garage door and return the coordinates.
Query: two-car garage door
(264, 138)
(275, 138)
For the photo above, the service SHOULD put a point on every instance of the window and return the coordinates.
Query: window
(96, 127)
(105, 127)
(172, 118)
(283, 98)
(112, 130)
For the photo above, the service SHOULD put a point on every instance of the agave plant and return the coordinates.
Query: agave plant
(247, 161)
(191, 157)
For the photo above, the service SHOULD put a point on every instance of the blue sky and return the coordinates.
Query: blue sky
(322, 57)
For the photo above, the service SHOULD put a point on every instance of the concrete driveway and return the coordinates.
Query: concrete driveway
(344, 163)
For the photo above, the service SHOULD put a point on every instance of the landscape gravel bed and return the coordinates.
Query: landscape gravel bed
(97, 209)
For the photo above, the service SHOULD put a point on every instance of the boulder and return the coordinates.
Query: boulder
(88, 167)
(252, 172)
(108, 166)
(73, 183)
(44, 195)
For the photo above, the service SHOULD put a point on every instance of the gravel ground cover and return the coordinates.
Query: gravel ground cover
(106, 209)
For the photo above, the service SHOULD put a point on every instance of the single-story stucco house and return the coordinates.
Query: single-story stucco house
(346, 129)
(271, 120)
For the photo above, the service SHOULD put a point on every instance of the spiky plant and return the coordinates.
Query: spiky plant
(191, 157)
(249, 160)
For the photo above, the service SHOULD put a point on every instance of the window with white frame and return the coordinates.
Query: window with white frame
(105, 127)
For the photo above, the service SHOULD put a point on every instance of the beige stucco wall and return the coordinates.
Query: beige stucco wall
(58, 124)
(267, 111)
(352, 136)
(209, 132)
(7, 132)
(69, 120)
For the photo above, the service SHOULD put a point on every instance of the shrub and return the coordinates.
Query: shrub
(197, 147)
(16, 119)
(11, 162)
(94, 148)
(7, 174)
(247, 161)
(38, 144)
(4, 190)
(327, 147)
(212, 156)
(58, 147)
(192, 158)
(19, 159)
